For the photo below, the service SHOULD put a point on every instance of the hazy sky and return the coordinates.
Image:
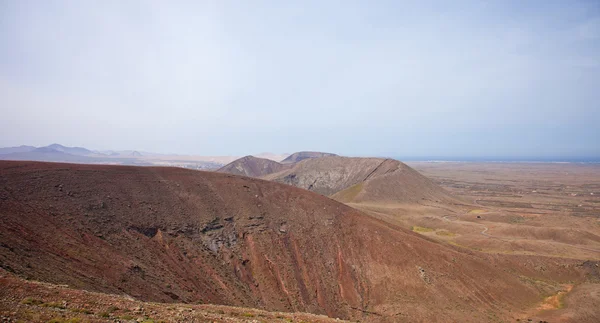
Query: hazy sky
(396, 78)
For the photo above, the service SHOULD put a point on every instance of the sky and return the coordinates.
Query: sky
(512, 79)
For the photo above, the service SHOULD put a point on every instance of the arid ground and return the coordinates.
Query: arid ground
(494, 243)
(526, 209)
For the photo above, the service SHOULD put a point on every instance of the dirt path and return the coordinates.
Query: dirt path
(485, 230)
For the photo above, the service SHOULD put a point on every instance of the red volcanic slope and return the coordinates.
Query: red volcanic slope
(170, 234)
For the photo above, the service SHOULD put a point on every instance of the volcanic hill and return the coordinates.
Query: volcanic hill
(347, 179)
(252, 166)
(175, 235)
(351, 179)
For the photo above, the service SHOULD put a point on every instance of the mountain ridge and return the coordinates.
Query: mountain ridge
(302, 155)
(252, 167)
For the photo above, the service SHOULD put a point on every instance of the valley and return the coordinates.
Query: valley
(401, 246)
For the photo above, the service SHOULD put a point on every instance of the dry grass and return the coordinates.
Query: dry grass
(350, 193)
(477, 211)
(445, 233)
(421, 229)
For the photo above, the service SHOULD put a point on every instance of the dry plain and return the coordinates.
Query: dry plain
(519, 211)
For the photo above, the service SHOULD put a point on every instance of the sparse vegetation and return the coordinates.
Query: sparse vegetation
(421, 229)
(54, 305)
(445, 233)
(350, 193)
(561, 300)
(81, 310)
(65, 320)
(355, 254)
(517, 219)
(477, 211)
(112, 309)
(31, 301)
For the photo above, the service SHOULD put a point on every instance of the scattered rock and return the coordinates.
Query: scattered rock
(283, 228)
(423, 275)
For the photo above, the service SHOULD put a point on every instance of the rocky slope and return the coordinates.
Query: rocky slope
(361, 180)
(252, 167)
(31, 301)
(175, 235)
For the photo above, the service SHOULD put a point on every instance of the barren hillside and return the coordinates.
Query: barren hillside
(361, 179)
(175, 235)
(252, 167)
(31, 301)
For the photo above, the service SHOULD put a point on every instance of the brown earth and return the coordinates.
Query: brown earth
(252, 167)
(522, 188)
(533, 208)
(515, 210)
(175, 235)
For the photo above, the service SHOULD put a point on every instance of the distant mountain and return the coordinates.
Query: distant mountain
(79, 151)
(53, 153)
(252, 167)
(48, 150)
(47, 154)
(60, 153)
(302, 155)
(272, 156)
(20, 149)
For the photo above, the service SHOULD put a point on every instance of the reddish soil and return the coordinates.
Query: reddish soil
(175, 235)
(29, 301)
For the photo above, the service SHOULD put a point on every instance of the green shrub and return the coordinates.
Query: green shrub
(81, 310)
(54, 305)
(31, 301)
(63, 320)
